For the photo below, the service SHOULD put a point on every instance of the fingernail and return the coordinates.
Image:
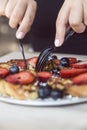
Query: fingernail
(57, 43)
(20, 35)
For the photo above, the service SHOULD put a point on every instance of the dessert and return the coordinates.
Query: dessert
(59, 78)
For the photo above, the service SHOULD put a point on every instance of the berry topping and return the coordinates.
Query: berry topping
(55, 71)
(55, 94)
(72, 60)
(21, 64)
(32, 61)
(23, 77)
(14, 69)
(71, 72)
(64, 62)
(52, 57)
(44, 76)
(3, 72)
(44, 92)
(81, 64)
(80, 79)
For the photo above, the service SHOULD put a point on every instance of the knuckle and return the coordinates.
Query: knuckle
(59, 22)
(34, 2)
(85, 22)
(34, 5)
(11, 24)
(7, 13)
(2, 11)
(17, 16)
(74, 23)
(15, 19)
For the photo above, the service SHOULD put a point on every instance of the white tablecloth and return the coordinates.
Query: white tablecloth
(14, 117)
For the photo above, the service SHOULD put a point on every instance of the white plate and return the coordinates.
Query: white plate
(45, 102)
(39, 102)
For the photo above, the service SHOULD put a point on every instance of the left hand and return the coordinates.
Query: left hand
(72, 14)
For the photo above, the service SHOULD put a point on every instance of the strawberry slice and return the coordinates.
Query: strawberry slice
(80, 79)
(44, 76)
(23, 77)
(3, 72)
(21, 64)
(71, 72)
(79, 65)
(72, 60)
(32, 61)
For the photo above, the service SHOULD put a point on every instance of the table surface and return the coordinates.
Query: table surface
(15, 117)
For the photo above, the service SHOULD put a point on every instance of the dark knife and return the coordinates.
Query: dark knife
(20, 42)
(22, 52)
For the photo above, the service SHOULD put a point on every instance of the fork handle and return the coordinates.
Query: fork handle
(69, 34)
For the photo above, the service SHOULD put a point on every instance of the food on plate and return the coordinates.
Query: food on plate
(60, 77)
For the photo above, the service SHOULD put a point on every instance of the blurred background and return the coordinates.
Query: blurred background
(8, 41)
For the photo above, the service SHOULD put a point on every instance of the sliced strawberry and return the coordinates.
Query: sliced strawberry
(32, 61)
(44, 76)
(80, 79)
(23, 77)
(71, 72)
(72, 60)
(21, 63)
(79, 65)
(3, 72)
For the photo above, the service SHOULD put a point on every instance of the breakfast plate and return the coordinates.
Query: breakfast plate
(67, 100)
(46, 102)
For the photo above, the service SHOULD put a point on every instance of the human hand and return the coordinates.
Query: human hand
(19, 12)
(72, 14)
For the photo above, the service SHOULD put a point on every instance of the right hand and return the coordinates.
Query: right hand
(19, 12)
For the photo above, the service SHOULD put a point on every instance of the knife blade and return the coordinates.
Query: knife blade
(22, 52)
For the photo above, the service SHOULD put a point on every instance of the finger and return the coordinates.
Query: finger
(27, 21)
(17, 14)
(9, 8)
(76, 18)
(3, 4)
(85, 12)
(61, 24)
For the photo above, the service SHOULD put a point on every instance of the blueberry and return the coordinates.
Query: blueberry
(64, 62)
(47, 90)
(79, 61)
(52, 57)
(55, 71)
(55, 94)
(42, 84)
(14, 69)
(44, 92)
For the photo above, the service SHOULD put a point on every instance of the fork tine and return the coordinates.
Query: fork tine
(41, 59)
(44, 60)
(40, 63)
(44, 53)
